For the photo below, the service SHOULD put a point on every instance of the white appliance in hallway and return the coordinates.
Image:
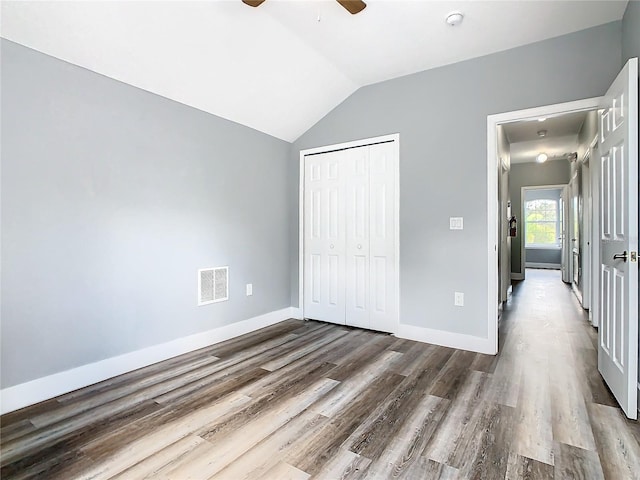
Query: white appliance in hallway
(350, 219)
(618, 242)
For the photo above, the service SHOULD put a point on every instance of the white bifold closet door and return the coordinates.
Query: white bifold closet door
(349, 237)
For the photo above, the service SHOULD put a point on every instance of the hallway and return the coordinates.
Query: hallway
(565, 415)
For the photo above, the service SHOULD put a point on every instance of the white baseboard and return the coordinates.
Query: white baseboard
(517, 276)
(551, 266)
(445, 339)
(34, 391)
(296, 313)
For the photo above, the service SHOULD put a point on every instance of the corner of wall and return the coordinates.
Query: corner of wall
(446, 339)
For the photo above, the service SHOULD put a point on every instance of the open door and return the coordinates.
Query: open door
(566, 245)
(574, 234)
(618, 242)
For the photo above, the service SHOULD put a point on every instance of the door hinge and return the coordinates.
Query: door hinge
(633, 256)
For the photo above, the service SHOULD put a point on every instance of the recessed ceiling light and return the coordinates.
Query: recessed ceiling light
(541, 119)
(542, 133)
(454, 18)
(541, 158)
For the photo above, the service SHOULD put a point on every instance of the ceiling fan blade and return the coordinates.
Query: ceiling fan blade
(352, 6)
(253, 3)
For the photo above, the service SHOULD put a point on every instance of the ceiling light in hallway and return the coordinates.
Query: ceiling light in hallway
(455, 18)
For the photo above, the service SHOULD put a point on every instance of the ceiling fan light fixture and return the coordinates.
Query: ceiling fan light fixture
(253, 3)
(454, 18)
(541, 158)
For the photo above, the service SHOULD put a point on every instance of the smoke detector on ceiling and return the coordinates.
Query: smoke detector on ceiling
(454, 18)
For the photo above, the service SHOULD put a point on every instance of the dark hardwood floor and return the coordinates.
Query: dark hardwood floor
(308, 399)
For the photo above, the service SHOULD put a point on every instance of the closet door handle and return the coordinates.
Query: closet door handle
(331, 246)
(359, 246)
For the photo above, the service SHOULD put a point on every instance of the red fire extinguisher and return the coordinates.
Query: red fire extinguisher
(513, 226)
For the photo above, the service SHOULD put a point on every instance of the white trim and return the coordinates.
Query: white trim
(297, 313)
(552, 266)
(639, 398)
(493, 225)
(594, 304)
(492, 194)
(446, 339)
(395, 138)
(517, 276)
(523, 247)
(34, 391)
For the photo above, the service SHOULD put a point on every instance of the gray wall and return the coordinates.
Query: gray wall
(556, 172)
(631, 31)
(548, 256)
(630, 49)
(441, 115)
(112, 198)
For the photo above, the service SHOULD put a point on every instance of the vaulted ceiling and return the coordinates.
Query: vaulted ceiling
(281, 67)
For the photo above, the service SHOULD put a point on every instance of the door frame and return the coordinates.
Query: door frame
(523, 253)
(587, 218)
(492, 193)
(395, 138)
(594, 302)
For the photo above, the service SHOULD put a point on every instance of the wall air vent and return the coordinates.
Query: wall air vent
(213, 285)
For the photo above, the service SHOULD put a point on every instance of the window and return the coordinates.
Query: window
(542, 223)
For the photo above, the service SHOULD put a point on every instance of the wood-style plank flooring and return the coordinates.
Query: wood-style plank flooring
(308, 399)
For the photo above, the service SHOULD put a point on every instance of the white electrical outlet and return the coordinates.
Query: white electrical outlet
(249, 289)
(458, 299)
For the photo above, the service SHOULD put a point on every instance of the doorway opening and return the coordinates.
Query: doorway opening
(600, 210)
(543, 225)
(549, 167)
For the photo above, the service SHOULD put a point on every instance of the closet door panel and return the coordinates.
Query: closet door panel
(324, 238)
(382, 238)
(357, 295)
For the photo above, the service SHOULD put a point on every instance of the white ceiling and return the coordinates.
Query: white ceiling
(556, 126)
(276, 68)
(561, 137)
(556, 148)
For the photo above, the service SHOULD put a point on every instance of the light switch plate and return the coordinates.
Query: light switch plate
(456, 223)
(249, 289)
(458, 299)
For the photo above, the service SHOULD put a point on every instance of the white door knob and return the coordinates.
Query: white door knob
(359, 246)
(331, 246)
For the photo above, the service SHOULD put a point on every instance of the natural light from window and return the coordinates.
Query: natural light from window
(542, 223)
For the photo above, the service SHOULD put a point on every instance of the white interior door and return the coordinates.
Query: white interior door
(382, 238)
(358, 291)
(504, 250)
(574, 233)
(586, 235)
(350, 240)
(594, 312)
(565, 257)
(618, 242)
(324, 237)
